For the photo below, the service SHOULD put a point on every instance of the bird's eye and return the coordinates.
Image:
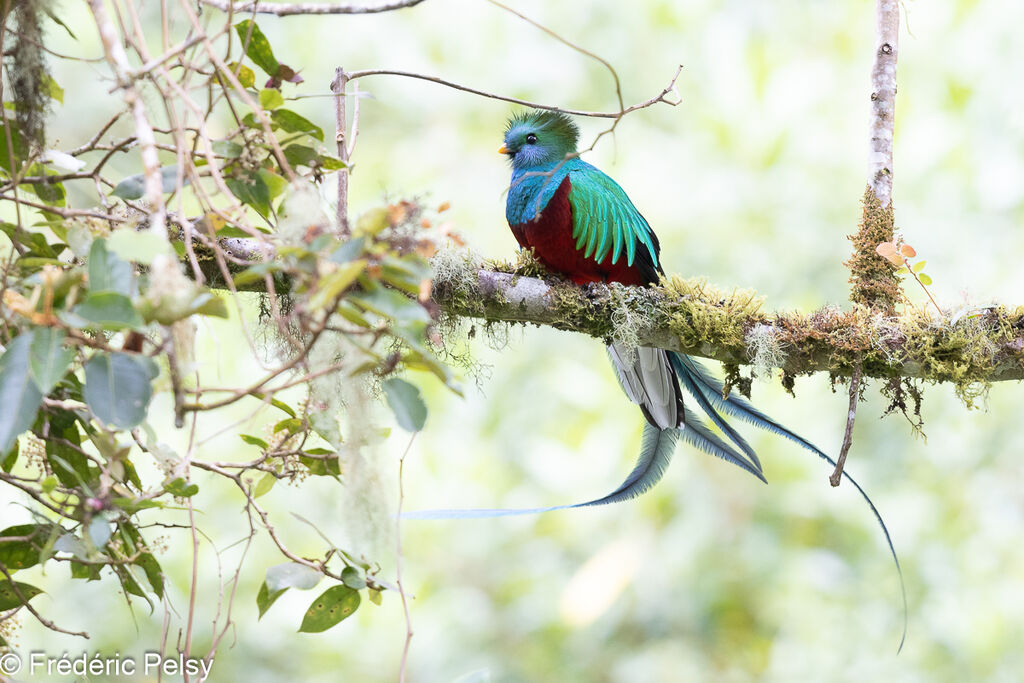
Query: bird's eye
(531, 139)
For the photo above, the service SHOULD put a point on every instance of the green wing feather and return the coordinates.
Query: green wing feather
(604, 219)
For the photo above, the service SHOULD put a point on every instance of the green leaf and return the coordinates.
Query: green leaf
(245, 76)
(53, 88)
(9, 599)
(254, 440)
(181, 488)
(406, 403)
(258, 47)
(134, 186)
(292, 425)
(265, 598)
(99, 531)
(51, 192)
(109, 310)
(334, 604)
(108, 272)
(141, 246)
(227, 149)
(333, 284)
(924, 278)
(322, 467)
(271, 98)
(395, 305)
(351, 577)
(300, 155)
(251, 190)
(22, 554)
(19, 396)
(18, 146)
(133, 544)
(264, 485)
(374, 596)
(372, 222)
(275, 184)
(919, 266)
(8, 462)
(118, 388)
(291, 122)
(349, 250)
(332, 163)
(65, 459)
(208, 303)
(48, 359)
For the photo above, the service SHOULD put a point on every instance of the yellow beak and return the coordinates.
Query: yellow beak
(503, 150)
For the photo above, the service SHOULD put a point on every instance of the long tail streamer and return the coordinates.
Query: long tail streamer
(658, 445)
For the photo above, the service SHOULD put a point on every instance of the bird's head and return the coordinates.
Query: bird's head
(539, 137)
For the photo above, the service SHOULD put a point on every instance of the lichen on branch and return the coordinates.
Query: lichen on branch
(694, 317)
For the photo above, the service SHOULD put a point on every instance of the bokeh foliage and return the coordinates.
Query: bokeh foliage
(754, 181)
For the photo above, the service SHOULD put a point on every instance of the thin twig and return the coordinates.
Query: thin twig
(118, 60)
(851, 415)
(660, 97)
(398, 561)
(301, 8)
(569, 43)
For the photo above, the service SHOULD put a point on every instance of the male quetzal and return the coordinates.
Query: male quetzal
(580, 224)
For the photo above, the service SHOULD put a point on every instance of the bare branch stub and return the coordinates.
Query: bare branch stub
(883, 99)
(844, 450)
(338, 87)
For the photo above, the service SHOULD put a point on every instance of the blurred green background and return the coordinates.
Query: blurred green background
(754, 181)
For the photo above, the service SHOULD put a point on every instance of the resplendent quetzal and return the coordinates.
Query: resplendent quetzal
(581, 224)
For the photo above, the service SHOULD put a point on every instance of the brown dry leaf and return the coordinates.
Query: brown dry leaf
(27, 309)
(374, 270)
(396, 213)
(444, 207)
(886, 249)
(424, 223)
(426, 248)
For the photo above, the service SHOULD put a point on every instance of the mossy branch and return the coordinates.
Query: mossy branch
(696, 318)
(974, 348)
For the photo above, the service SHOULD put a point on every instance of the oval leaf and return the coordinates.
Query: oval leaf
(118, 389)
(406, 403)
(925, 280)
(48, 359)
(257, 47)
(908, 251)
(333, 605)
(270, 98)
(919, 266)
(9, 599)
(19, 396)
(109, 310)
(107, 272)
(265, 598)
